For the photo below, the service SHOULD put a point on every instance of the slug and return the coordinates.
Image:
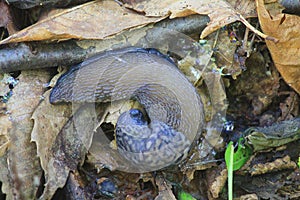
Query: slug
(174, 111)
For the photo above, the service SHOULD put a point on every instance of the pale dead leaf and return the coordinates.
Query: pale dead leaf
(220, 12)
(5, 126)
(165, 189)
(216, 179)
(22, 163)
(244, 7)
(93, 20)
(63, 134)
(226, 49)
(5, 179)
(48, 121)
(286, 52)
(273, 7)
(115, 109)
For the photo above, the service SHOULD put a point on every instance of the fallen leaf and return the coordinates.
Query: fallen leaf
(225, 54)
(216, 179)
(245, 7)
(93, 20)
(286, 52)
(69, 134)
(165, 189)
(5, 179)
(277, 165)
(48, 121)
(220, 12)
(23, 167)
(5, 126)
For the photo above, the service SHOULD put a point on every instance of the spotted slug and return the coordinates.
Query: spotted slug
(174, 111)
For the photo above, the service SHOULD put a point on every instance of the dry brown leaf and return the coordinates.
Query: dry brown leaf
(69, 136)
(23, 168)
(286, 52)
(276, 165)
(93, 20)
(5, 126)
(216, 178)
(48, 122)
(5, 179)
(245, 7)
(165, 189)
(220, 12)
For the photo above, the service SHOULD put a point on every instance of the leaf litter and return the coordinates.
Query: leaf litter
(52, 162)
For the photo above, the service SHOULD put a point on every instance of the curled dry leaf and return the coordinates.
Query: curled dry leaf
(93, 20)
(220, 12)
(276, 165)
(21, 166)
(286, 52)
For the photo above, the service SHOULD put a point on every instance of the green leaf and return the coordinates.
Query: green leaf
(229, 164)
(242, 155)
(235, 160)
(185, 196)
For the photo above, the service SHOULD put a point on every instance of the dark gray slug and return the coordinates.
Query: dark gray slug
(172, 104)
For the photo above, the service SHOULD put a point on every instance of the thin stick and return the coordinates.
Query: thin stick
(248, 25)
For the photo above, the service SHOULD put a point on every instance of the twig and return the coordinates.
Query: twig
(248, 25)
(35, 55)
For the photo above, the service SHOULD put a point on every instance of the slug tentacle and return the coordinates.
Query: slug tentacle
(170, 100)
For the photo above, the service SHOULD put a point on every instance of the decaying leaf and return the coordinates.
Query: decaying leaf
(220, 12)
(22, 172)
(262, 138)
(286, 52)
(216, 178)
(245, 7)
(48, 121)
(77, 23)
(225, 54)
(276, 165)
(264, 186)
(290, 107)
(5, 126)
(165, 190)
(68, 139)
(92, 20)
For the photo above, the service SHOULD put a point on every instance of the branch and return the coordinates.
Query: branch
(33, 55)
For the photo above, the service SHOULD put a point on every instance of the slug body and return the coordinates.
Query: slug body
(172, 103)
